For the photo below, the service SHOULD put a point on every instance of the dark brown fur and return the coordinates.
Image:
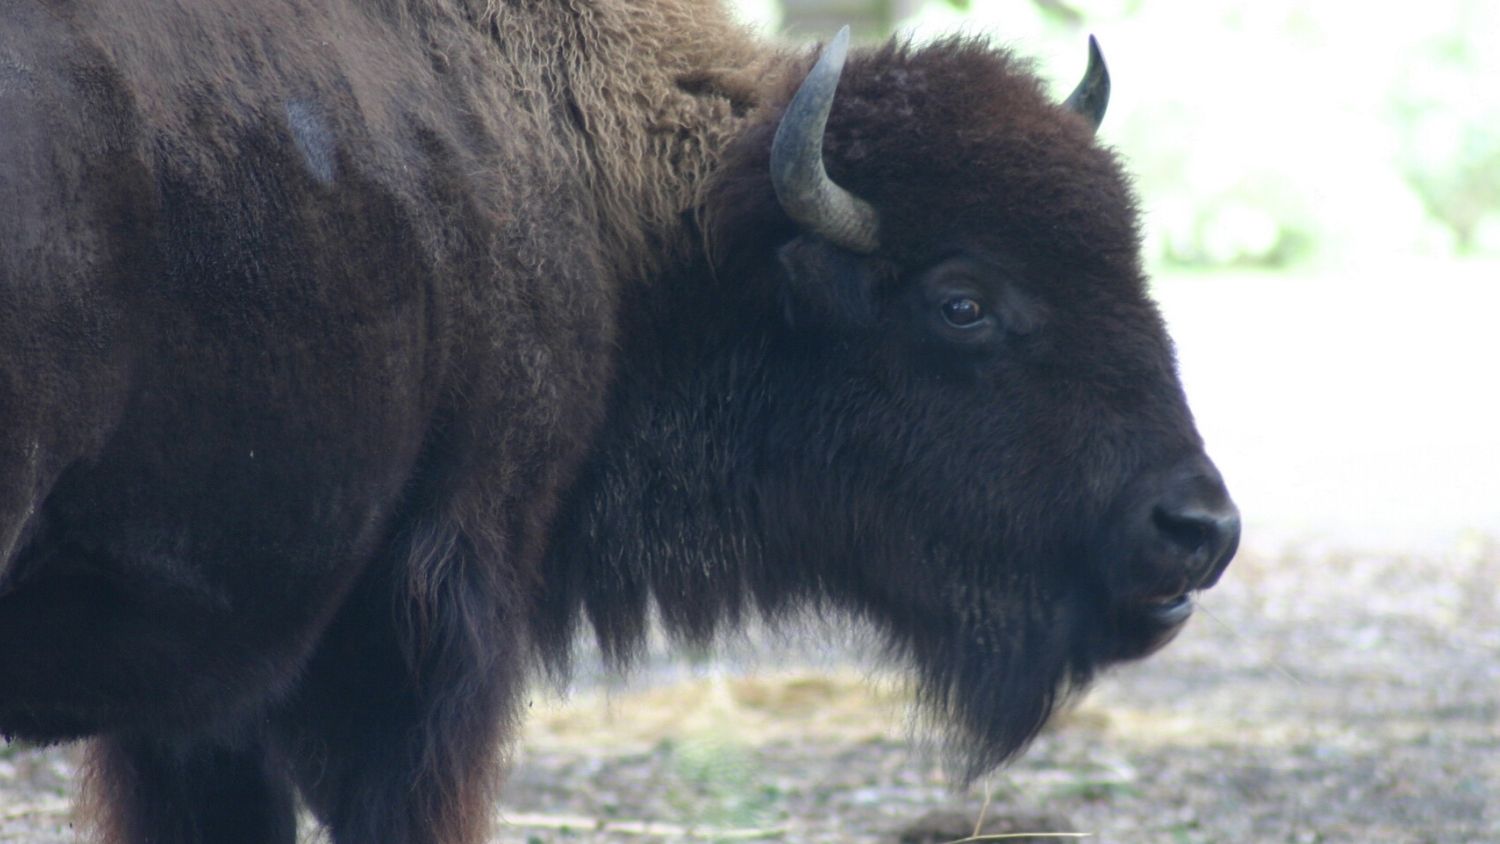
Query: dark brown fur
(354, 352)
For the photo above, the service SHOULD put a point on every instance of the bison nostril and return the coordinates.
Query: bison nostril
(1206, 537)
(1189, 531)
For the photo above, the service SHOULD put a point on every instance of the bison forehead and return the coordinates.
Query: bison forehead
(961, 135)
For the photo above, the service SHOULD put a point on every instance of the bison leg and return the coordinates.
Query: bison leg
(185, 792)
(395, 731)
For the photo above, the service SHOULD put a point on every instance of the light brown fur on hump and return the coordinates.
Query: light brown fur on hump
(652, 92)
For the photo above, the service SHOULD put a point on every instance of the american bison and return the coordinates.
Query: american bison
(356, 354)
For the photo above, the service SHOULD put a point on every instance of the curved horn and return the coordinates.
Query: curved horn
(1091, 97)
(806, 193)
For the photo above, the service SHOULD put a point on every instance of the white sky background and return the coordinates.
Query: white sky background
(1355, 411)
(1354, 401)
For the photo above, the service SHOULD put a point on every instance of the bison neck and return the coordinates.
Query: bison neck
(695, 502)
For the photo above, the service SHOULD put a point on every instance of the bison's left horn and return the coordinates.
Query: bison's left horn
(806, 192)
(1091, 97)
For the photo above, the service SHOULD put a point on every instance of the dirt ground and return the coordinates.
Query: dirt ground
(1318, 697)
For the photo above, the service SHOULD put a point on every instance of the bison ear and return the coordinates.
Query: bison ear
(826, 285)
(1091, 97)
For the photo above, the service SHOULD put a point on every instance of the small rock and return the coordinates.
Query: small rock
(942, 826)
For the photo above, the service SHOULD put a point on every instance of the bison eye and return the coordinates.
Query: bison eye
(962, 312)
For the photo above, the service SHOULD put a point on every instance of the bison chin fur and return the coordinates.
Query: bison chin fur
(987, 694)
(982, 687)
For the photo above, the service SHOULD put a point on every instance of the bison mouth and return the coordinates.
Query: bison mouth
(1139, 629)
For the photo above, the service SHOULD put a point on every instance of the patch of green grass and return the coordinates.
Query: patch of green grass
(714, 784)
(1096, 790)
(1186, 833)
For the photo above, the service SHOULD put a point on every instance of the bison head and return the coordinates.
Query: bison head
(919, 380)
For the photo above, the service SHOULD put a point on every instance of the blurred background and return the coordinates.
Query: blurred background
(1321, 186)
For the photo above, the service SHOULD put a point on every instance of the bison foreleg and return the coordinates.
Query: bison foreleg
(396, 729)
(186, 792)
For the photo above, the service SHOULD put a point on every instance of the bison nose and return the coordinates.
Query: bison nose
(1207, 539)
(1197, 520)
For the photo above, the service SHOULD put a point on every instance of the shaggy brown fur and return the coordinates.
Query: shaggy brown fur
(356, 351)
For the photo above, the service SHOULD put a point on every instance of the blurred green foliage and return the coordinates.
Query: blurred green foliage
(1447, 106)
(1279, 132)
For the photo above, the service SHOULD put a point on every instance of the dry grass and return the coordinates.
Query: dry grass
(843, 706)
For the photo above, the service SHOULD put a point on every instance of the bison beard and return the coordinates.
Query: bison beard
(359, 356)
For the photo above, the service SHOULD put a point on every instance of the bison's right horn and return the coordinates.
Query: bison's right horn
(1091, 97)
(806, 193)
